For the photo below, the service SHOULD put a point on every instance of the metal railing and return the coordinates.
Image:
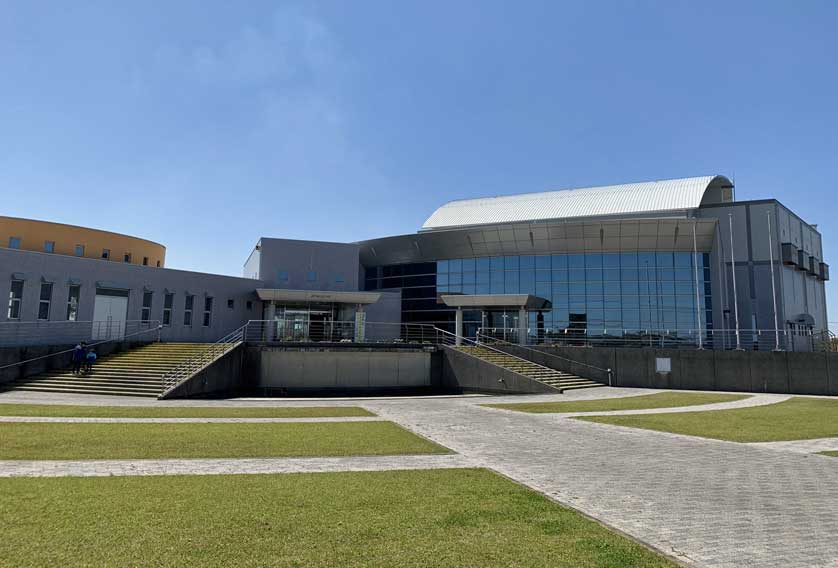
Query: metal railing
(449, 339)
(209, 353)
(302, 331)
(569, 365)
(133, 336)
(16, 333)
(716, 339)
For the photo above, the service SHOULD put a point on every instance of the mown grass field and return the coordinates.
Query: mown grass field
(798, 418)
(69, 411)
(657, 400)
(78, 441)
(398, 518)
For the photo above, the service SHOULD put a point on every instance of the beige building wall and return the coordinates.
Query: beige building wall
(34, 235)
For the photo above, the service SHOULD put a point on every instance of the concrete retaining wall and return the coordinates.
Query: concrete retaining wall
(746, 371)
(465, 373)
(340, 367)
(224, 376)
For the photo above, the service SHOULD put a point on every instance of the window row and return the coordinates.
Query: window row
(567, 261)
(78, 250)
(45, 300)
(547, 290)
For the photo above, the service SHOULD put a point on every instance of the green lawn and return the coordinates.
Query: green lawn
(180, 411)
(465, 517)
(833, 453)
(658, 400)
(798, 418)
(68, 441)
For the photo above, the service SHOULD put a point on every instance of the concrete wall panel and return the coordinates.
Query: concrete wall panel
(808, 373)
(769, 372)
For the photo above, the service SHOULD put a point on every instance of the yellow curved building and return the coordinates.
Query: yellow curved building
(58, 238)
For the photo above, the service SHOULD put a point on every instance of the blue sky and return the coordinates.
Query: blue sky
(204, 125)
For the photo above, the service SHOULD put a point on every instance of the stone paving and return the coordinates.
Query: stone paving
(706, 502)
(104, 468)
(801, 446)
(102, 419)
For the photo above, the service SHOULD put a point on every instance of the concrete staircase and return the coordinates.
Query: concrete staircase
(556, 379)
(137, 372)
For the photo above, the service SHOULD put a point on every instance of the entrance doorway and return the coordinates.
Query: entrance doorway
(110, 312)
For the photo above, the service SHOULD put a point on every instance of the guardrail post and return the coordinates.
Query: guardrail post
(610, 374)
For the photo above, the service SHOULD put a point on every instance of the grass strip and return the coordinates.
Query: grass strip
(646, 401)
(462, 517)
(80, 441)
(71, 411)
(831, 453)
(798, 418)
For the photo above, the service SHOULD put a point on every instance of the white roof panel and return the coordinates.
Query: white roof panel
(628, 199)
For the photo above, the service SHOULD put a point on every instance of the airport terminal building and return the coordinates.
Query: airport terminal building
(629, 264)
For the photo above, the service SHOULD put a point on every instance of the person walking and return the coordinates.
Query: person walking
(78, 357)
(90, 358)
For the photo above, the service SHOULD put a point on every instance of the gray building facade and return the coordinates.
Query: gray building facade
(616, 262)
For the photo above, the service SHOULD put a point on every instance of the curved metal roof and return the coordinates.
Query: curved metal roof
(607, 201)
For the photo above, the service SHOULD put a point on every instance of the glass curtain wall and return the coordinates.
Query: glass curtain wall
(604, 293)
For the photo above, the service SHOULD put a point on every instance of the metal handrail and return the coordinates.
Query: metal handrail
(607, 371)
(213, 351)
(156, 328)
(290, 330)
(453, 337)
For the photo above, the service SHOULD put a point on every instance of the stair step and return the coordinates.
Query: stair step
(550, 377)
(125, 392)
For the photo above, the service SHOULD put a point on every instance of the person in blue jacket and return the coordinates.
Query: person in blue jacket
(79, 353)
(90, 358)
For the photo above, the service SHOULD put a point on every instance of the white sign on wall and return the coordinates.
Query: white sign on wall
(663, 365)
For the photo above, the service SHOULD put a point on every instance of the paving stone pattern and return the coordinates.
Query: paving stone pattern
(706, 502)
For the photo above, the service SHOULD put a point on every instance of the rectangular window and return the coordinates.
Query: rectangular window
(126, 257)
(15, 299)
(14, 242)
(249, 305)
(79, 250)
(168, 300)
(282, 276)
(231, 303)
(207, 311)
(187, 310)
(44, 300)
(311, 276)
(145, 313)
(49, 246)
(73, 296)
(106, 254)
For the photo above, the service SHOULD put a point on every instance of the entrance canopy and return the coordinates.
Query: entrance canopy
(525, 301)
(331, 297)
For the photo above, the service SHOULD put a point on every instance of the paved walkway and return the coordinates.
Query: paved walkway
(708, 502)
(801, 446)
(104, 468)
(755, 400)
(105, 420)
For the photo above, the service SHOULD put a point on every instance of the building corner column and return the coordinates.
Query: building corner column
(458, 326)
(523, 320)
(270, 324)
